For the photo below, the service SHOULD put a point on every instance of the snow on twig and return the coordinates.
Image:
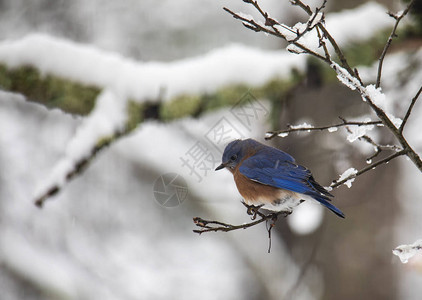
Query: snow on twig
(406, 252)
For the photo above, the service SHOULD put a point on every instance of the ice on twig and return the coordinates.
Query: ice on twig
(283, 134)
(332, 129)
(405, 252)
(349, 172)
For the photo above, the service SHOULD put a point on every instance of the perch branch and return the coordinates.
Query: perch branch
(212, 225)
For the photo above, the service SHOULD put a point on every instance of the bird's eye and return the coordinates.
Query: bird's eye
(233, 157)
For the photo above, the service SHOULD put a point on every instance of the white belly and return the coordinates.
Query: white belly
(286, 201)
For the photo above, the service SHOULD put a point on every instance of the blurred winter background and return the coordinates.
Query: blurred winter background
(105, 235)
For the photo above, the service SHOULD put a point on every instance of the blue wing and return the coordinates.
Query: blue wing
(278, 169)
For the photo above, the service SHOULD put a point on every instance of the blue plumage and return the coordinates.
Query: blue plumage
(272, 167)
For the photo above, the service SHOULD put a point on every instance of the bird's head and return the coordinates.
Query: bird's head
(234, 153)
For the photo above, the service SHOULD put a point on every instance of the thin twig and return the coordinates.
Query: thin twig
(398, 18)
(251, 24)
(271, 134)
(332, 41)
(409, 110)
(368, 168)
(211, 225)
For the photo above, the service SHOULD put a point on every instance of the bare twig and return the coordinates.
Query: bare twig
(398, 18)
(409, 110)
(212, 225)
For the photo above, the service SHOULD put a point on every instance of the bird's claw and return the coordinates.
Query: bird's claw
(252, 210)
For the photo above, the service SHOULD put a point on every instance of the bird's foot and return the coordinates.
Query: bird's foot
(252, 210)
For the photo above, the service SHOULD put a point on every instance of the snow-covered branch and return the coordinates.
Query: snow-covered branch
(330, 128)
(370, 94)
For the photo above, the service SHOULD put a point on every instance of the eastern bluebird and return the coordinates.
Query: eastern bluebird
(270, 177)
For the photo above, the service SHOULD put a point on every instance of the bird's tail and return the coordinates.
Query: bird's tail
(325, 201)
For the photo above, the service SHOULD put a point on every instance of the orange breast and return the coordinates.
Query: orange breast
(254, 192)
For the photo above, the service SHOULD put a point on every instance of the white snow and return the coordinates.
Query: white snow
(99, 227)
(283, 134)
(332, 129)
(358, 131)
(364, 20)
(108, 117)
(344, 77)
(377, 97)
(346, 174)
(146, 80)
(346, 26)
(405, 252)
(303, 125)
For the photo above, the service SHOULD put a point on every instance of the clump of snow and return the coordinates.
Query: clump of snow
(283, 134)
(358, 131)
(346, 174)
(301, 126)
(405, 252)
(376, 95)
(332, 129)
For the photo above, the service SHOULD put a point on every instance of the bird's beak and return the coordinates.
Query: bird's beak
(222, 166)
